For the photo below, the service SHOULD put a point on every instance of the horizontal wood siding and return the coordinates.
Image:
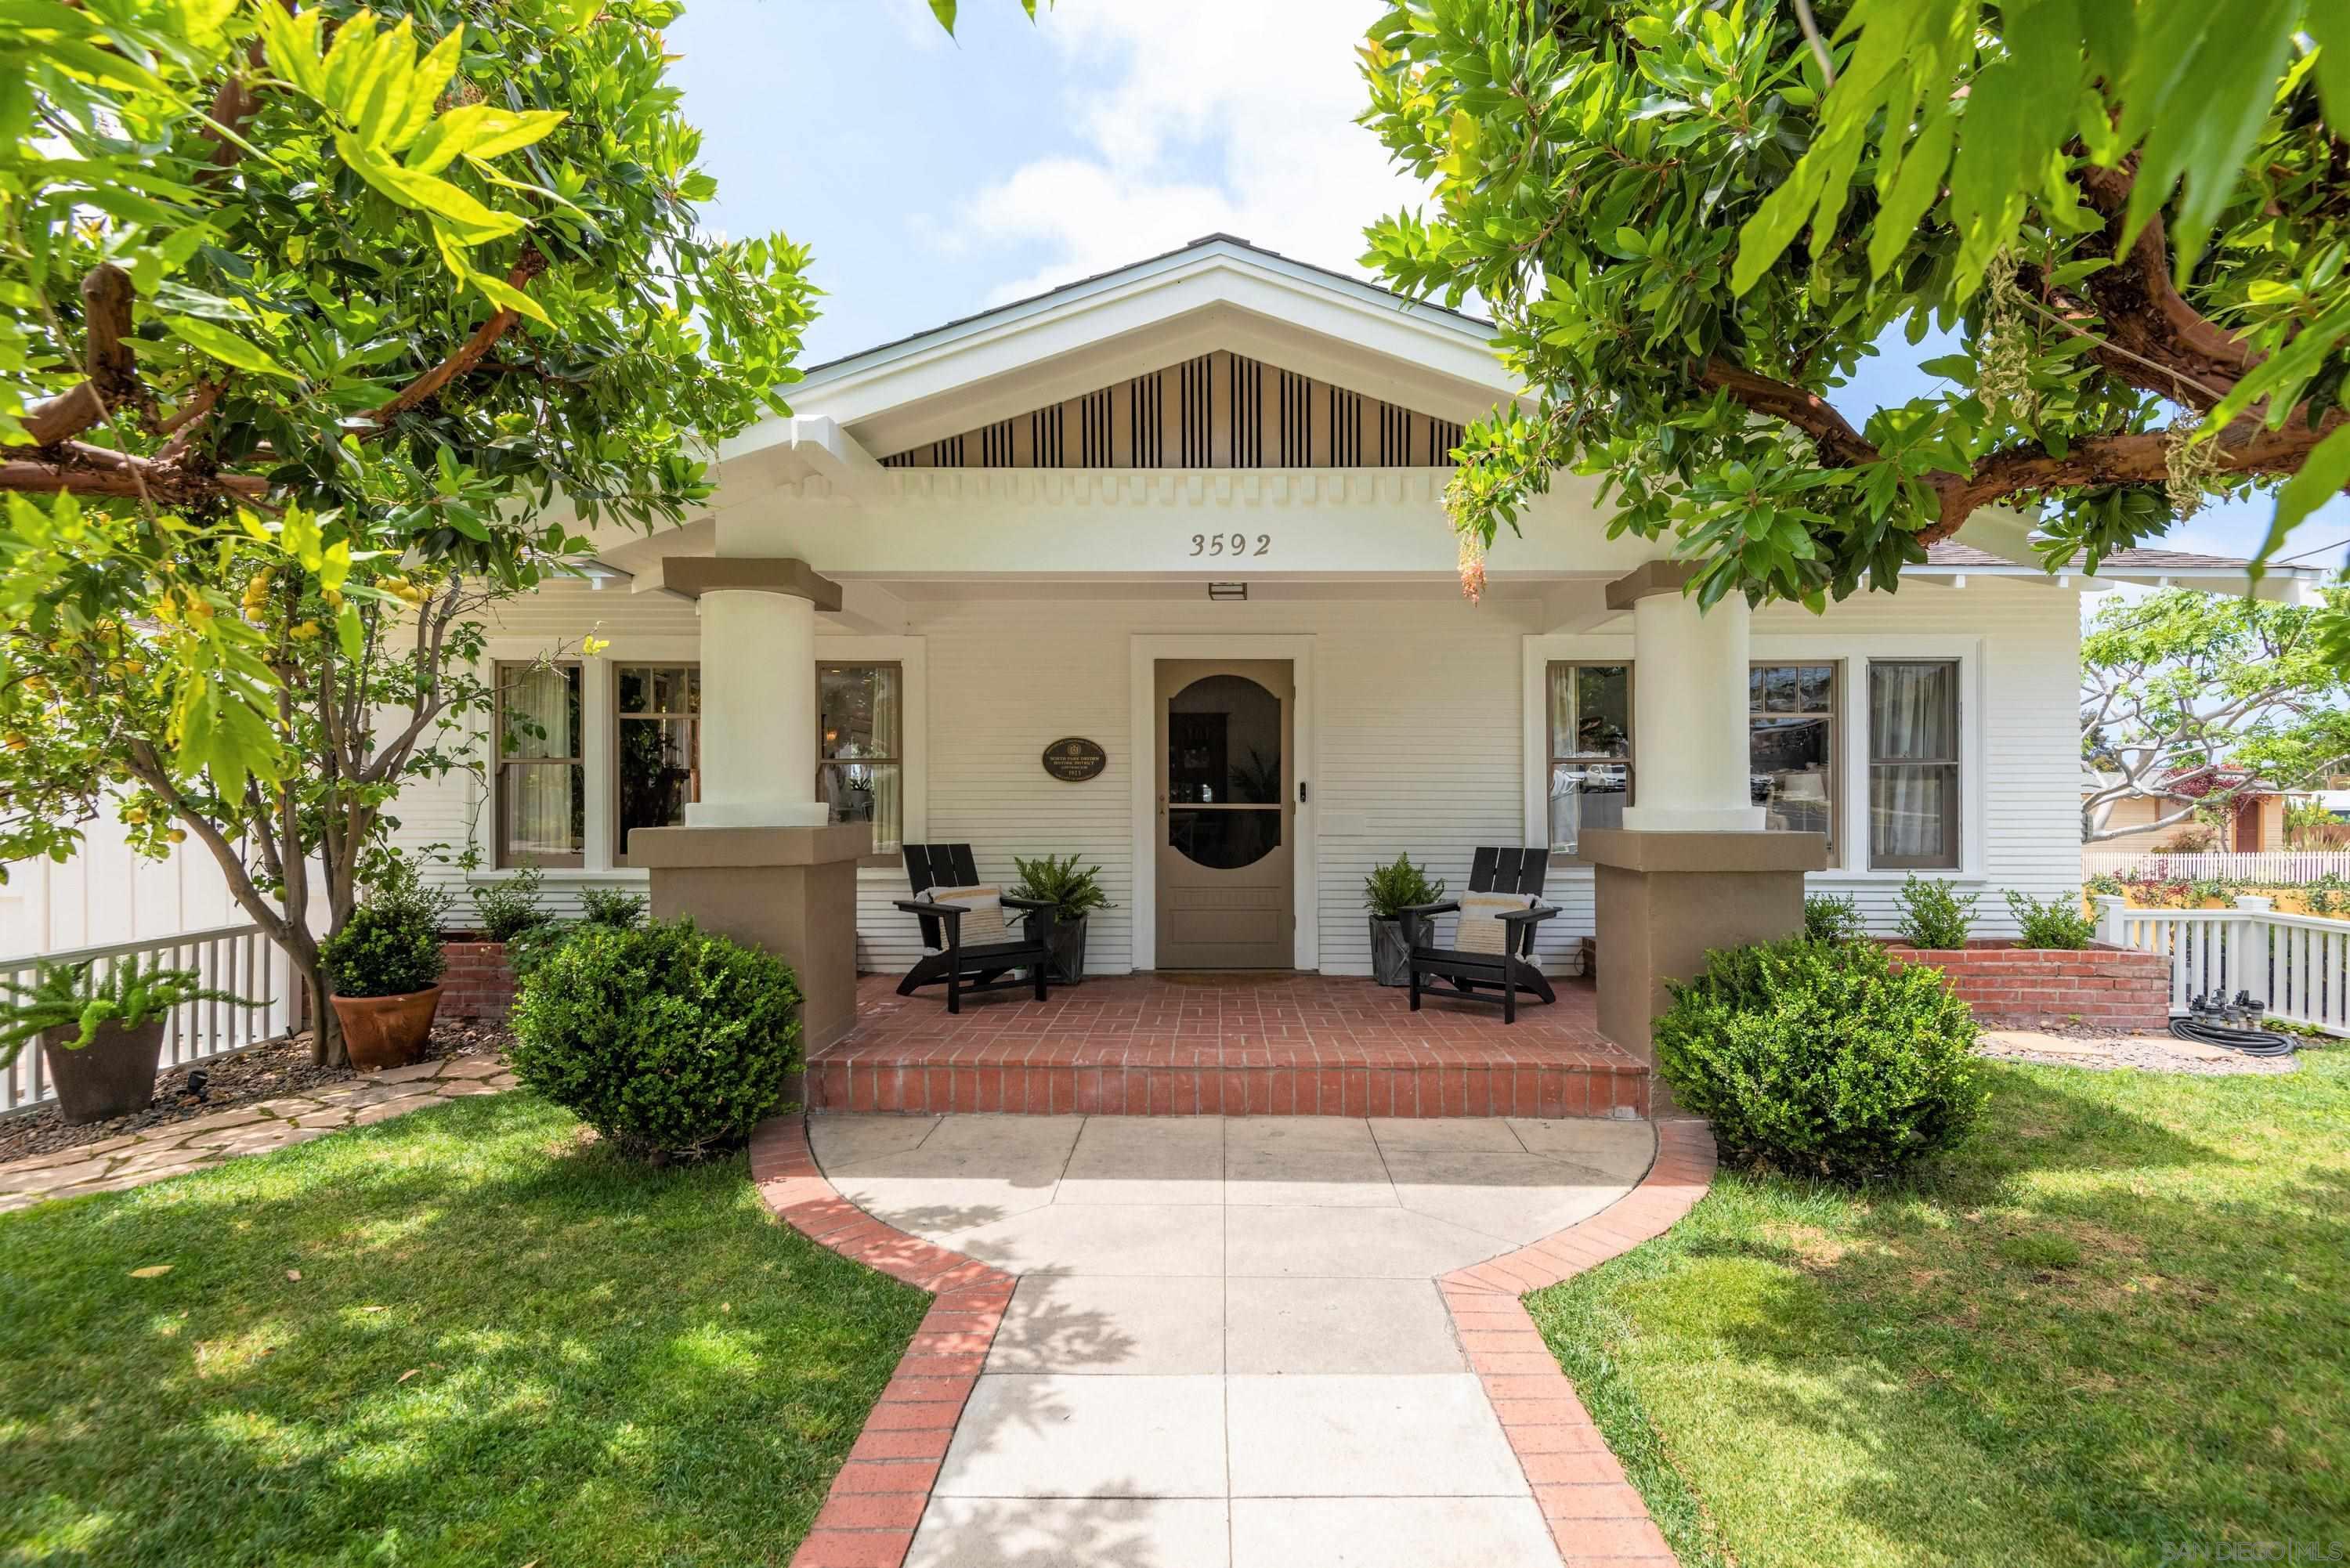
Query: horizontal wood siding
(1418, 742)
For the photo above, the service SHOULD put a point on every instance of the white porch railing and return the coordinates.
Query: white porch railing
(238, 960)
(2298, 965)
(2266, 868)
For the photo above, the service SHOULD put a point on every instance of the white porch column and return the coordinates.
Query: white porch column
(755, 859)
(758, 712)
(1688, 707)
(1693, 868)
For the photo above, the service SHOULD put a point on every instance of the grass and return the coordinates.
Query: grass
(2113, 1328)
(506, 1345)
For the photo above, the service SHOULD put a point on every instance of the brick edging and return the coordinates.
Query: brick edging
(868, 1517)
(1595, 1515)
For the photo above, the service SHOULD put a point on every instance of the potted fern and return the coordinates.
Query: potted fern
(102, 1033)
(1387, 892)
(384, 969)
(1074, 891)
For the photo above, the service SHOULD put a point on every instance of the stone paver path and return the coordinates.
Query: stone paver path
(1228, 1347)
(199, 1143)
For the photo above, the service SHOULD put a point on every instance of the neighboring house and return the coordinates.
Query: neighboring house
(2255, 817)
(1191, 511)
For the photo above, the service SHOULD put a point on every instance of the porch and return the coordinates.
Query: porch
(1272, 1044)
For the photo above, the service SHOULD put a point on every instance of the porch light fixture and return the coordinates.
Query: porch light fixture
(1228, 590)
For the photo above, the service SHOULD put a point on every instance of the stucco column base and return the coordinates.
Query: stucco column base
(790, 891)
(1663, 899)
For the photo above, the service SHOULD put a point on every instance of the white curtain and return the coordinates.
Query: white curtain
(887, 786)
(541, 716)
(1912, 713)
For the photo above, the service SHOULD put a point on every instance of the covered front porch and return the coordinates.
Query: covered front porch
(1269, 1044)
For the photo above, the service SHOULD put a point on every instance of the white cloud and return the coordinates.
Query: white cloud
(1235, 115)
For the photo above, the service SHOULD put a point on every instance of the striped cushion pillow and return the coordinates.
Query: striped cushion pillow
(1480, 929)
(984, 923)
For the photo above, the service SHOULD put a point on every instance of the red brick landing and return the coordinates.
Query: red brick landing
(1225, 1044)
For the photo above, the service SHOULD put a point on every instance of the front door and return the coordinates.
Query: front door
(1226, 818)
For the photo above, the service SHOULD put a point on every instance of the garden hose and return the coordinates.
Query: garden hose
(2245, 1042)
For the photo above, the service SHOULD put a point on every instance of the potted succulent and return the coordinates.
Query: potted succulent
(1074, 891)
(384, 969)
(1387, 892)
(103, 1035)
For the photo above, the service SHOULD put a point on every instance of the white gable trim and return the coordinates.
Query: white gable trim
(1144, 318)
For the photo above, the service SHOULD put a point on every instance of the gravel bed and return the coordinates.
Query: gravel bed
(2144, 1053)
(264, 1073)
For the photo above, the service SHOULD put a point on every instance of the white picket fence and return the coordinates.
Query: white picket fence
(238, 960)
(2297, 965)
(2266, 867)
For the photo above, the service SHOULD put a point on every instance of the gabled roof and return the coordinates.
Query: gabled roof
(1232, 241)
(1218, 293)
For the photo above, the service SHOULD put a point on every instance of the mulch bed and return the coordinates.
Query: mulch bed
(264, 1073)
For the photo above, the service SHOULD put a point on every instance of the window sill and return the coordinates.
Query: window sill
(1569, 865)
(562, 874)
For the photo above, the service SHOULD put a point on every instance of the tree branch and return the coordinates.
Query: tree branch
(2143, 311)
(1839, 443)
(2136, 458)
(527, 266)
(86, 470)
(110, 374)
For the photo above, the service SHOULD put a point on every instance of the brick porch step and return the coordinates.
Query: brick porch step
(1225, 1045)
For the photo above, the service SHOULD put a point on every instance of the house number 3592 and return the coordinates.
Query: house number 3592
(1230, 544)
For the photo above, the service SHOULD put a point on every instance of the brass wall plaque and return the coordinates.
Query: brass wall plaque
(1074, 759)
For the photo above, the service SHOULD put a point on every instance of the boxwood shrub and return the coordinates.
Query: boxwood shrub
(1822, 1058)
(391, 945)
(669, 1041)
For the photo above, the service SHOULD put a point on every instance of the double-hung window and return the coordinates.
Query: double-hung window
(1791, 742)
(657, 748)
(540, 786)
(860, 740)
(1590, 749)
(1913, 764)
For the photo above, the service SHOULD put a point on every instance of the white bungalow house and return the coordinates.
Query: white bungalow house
(1190, 511)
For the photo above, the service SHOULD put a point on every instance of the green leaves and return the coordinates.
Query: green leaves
(2321, 479)
(1690, 240)
(225, 346)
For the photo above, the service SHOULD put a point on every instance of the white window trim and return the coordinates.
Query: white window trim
(910, 655)
(597, 740)
(1853, 652)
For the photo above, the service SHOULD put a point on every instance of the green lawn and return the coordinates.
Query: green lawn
(2115, 1327)
(505, 1345)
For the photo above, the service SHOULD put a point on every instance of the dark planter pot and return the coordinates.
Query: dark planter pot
(1069, 947)
(113, 1075)
(386, 1031)
(1390, 952)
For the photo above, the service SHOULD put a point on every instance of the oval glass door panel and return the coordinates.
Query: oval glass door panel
(1223, 772)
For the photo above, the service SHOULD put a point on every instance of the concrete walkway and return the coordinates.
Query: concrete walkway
(1227, 1347)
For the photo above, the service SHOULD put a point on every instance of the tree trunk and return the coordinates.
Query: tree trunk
(326, 1028)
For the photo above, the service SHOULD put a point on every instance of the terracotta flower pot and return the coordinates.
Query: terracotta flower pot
(113, 1075)
(386, 1031)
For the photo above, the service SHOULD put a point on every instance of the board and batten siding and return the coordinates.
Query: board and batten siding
(1419, 745)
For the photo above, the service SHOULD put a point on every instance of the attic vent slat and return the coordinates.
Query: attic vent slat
(1210, 412)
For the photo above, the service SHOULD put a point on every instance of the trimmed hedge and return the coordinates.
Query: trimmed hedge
(669, 1041)
(1822, 1058)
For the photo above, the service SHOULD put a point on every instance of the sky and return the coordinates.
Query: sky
(933, 177)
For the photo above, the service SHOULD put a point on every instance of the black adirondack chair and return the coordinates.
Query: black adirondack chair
(985, 966)
(1476, 974)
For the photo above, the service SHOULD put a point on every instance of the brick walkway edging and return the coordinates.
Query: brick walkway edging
(1596, 1516)
(868, 1517)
